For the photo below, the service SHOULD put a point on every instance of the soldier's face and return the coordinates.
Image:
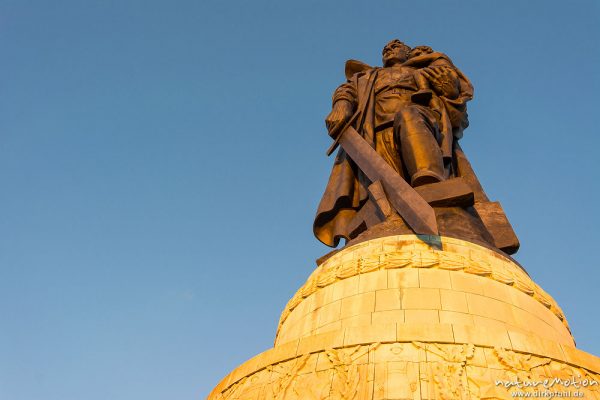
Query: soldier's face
(394, 53)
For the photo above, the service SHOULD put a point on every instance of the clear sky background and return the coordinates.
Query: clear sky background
(161, 163)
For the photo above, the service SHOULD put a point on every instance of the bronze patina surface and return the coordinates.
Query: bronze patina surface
(399, 168)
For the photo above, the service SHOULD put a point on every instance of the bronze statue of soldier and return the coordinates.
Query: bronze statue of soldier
(411, 112)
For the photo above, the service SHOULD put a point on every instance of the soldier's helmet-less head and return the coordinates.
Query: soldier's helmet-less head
(395, 52)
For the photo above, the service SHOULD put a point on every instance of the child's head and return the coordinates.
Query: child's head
(419, 51)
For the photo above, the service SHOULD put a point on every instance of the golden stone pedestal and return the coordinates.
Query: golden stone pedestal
(407, 317)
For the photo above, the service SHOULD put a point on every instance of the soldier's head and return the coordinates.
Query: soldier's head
(420, 51)
(395, 52)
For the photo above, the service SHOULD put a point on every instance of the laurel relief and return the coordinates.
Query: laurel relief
(415, 370)
(361, 261)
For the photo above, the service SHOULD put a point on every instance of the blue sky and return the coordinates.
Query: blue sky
(161, 163)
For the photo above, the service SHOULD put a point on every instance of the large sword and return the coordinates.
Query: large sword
(417, 213)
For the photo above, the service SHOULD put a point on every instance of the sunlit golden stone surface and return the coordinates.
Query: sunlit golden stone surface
(407, 317)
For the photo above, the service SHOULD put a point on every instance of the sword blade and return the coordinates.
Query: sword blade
(417, 213)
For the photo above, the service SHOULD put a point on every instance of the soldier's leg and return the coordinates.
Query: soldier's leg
(386, 147)
(417, 132)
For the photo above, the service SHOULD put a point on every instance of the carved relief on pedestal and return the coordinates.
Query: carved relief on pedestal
(412, 370)
(511, 374)
(444, 372)
(520, 364)
(397, 371)
(283, 376)
(350, 380)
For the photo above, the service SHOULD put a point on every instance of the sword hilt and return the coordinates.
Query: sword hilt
(336, 139)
